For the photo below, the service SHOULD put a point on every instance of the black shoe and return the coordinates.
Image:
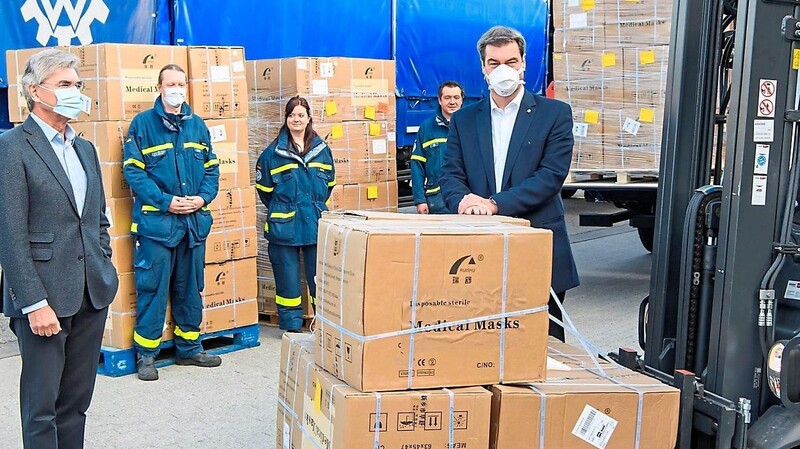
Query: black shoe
(295, 331)
(200, 359)
(146, 369)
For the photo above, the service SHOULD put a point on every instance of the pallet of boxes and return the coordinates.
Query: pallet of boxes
(610, 62)
(121, 80)
(417, 316)
(353, 109)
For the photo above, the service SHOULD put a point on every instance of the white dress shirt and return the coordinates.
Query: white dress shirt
(503, 121)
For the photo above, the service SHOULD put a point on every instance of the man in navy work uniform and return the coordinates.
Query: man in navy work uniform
(510, 153)
(58, 279)
(426, 157)
(174, 174)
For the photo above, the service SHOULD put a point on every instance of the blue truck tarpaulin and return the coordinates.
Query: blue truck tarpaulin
(39, 23)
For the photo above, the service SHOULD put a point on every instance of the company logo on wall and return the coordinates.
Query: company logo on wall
(47, 14)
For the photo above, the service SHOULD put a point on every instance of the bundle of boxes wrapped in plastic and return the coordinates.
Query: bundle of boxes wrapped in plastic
(121, 80)
(416, 316)
(353, 109)
(610, 64)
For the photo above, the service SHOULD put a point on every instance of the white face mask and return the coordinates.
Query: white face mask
(174, 96)
(504, 80)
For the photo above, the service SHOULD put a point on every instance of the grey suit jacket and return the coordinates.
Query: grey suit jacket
(47, 250)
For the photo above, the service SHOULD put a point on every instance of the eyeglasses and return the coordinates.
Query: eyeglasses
(65, 85)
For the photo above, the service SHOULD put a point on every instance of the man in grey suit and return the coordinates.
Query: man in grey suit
(58, 279)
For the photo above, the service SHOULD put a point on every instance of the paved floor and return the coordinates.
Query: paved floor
(234, 407)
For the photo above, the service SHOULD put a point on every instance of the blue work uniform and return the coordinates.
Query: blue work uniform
(295, 190)
(426, 163)
(168, 155)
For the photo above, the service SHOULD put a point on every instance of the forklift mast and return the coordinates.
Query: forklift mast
(732, 79)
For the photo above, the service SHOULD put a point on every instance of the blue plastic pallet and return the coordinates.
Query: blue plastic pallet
(120, 362)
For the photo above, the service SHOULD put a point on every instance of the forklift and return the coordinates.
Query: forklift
(722, 321)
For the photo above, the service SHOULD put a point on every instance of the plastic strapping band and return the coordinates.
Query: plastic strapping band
(504, 299)
(542, 412)
(450, 412)
(341, 304)
(322, 283)
(377, 445)
(414, 287)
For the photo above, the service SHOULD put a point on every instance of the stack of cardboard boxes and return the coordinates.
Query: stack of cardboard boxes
(121, 80)
(353, 109)
(610, 64)
(436, 309)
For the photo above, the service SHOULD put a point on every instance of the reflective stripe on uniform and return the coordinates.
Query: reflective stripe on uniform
(146, 342)
(320, 165)
(312, 299)
(282, 168)
(264, 188)
(211, 163)
(434, 190)
(134, 227)
(417, 157)
(286, 302)
(147, 208)
(132, 161)
(204, 208)
(266, 227)
(199, 146)
(282, 214)
(332, 183)
(434, 141)
(186, 335)
(165, 146)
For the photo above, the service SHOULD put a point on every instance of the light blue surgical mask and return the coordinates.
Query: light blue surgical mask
(69, 102)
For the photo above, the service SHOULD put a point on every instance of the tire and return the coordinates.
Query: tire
(568, 193)
(646, 236)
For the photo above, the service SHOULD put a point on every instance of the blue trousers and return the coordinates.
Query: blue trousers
(163, 272)
(285, 262)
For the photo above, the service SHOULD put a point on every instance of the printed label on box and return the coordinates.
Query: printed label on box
(238, 66)
(220, 73)
(378, 146)
(218, 133)
(631, 126)
(579, 20)
(580, 129)
(594, 427)
(326, 69)
(319, 87)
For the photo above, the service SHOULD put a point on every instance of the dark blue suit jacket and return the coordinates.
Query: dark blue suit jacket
(538, 161)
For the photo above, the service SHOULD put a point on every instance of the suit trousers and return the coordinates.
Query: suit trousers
(58, 377)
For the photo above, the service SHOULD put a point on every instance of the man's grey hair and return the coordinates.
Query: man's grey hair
(498, 36)
(42, 65)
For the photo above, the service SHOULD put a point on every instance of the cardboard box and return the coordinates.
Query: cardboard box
(231, 244)
(114, 183)
(572, 13)
(266, 294)
(638, 33)
(380, 196)
(646, 91)
(587, 130)
(362, 151)
(632, 158)
(616, 11)
(607, 92)
(332, 108)
(118, 332)
(587, 156)
(580, 406)
(217, 82)
(646, 61)
(632, 129)
(229, 298)
(234, 209)
(296, 364)
(15, 68)
(122, 253)
(579, 38)
(107, 137)
(230, 143)
(453, 273)
(118, 212)
(588, 65)
(125, 299)
(420, 419)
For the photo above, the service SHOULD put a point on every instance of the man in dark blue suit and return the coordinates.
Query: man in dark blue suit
(510, 153)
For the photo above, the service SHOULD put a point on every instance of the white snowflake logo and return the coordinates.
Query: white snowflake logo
(80, 18)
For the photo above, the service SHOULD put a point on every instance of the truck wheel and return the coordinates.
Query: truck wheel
(646, 236)
(568, 193)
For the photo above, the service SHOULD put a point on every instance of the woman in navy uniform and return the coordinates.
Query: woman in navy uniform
(294, 179)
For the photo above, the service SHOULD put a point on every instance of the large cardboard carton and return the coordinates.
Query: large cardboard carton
(637, 129)
(233, 209)
(617, 11)
(603, 91)
(293, 372)
(430, 274)
(217, 82)
(122, 253)
(114, 183)
(588, 65)
(125, 299)
(579, 38)
(381, 196)
(267, 290)
(638, 33)
(118, 332)
(359, 215)
(231, 244)
(229, 140)
(577, 14)
(118, 212)
(363, 151)
(107, 137)
(229, 297)
(337, 416)
(587, 130)
(578, 408)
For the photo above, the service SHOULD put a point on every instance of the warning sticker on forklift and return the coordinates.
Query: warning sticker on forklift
(762, 159)
(594, 427)
(792, 290)
(766, 97)
(759, 197)
(763, 130)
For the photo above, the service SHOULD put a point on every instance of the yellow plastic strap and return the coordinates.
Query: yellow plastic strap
(190, 335)
(146, 342)
(282, 168)
(211, 163)
(147, 208)
(153, 149)
(134, 227)
(320, 165)
(264, 188)
(434, 190)
(434, 141)
(332, 183)
(282, 214)
(196, 145)
(417, 157)
(135, 162)
(283, 301)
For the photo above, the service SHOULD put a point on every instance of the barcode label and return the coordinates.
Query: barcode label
(594, 427)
